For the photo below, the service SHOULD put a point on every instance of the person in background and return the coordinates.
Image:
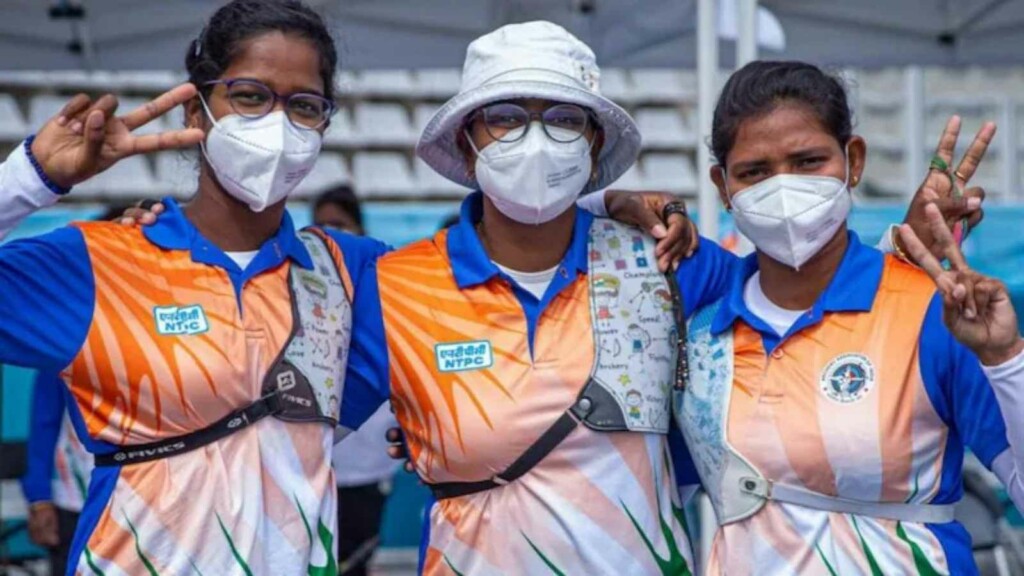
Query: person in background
(59, 466)
(57, 478)
(362, 468)
(339, 208)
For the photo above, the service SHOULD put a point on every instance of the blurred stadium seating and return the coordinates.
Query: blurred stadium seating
(370, 142)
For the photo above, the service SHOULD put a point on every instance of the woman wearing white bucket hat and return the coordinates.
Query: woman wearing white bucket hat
(500, 336)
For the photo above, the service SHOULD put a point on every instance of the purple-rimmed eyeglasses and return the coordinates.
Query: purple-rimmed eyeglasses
(253, 99)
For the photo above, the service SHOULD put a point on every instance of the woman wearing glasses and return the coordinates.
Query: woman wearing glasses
(529, 350)
(177, 341)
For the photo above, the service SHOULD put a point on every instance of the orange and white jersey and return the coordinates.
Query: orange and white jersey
(479, 368)
(867, 397)
(157, 333)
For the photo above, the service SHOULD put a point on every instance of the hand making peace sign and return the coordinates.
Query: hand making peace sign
(976, 308)
(86, 138)
(941, 186)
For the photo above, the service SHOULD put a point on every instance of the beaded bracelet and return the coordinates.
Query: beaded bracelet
(53, 186)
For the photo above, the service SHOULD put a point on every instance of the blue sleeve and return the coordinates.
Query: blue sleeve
(704, 278)
(367, 380)
(44, 429)
(358, 251)
(959, 390)
(47, 295)
(682, 463)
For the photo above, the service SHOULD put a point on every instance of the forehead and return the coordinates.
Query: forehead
(285, 62)
(783, 130)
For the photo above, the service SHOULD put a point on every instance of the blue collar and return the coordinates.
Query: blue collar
(852, 289)
(472, 266)
(173, 231)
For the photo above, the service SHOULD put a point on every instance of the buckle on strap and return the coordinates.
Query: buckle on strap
(760, 487)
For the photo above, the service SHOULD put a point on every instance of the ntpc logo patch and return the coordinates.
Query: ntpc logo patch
(180, 320)
(461, 356)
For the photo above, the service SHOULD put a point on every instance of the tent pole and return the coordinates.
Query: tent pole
(707, 89)
(746, 32)
(913, 124)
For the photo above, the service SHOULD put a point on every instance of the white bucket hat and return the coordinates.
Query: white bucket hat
(531, 60)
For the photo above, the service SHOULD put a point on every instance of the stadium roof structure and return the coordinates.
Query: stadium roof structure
(136, 34)
(873, 33)
(153, 35)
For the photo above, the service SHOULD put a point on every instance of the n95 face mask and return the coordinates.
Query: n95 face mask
(534, 179)
(260, 161)
(791, 217)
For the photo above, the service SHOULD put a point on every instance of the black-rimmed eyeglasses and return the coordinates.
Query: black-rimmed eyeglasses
(562, 122)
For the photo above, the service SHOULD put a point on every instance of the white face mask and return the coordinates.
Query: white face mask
(260, 161)
(791, 217)
(534, 179)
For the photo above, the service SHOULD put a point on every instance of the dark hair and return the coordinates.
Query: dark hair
(344, 197)
(239, 20)
(759, 87)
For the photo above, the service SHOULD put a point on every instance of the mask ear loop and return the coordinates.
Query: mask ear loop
(202, 144)
(206, 109)
(725, 183)
(846, 160)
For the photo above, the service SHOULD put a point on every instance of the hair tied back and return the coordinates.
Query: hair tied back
(199, 42)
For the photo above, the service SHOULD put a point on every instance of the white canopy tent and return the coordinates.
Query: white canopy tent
(136, 35)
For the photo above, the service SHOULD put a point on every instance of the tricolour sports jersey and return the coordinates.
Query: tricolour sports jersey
(72, 467)
(867, 397)
(479, 369)
(158, 333)
(59, 466)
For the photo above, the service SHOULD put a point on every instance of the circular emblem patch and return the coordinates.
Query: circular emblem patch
(848, 378)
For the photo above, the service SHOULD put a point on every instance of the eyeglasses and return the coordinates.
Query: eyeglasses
(562, 122)
(252, 99)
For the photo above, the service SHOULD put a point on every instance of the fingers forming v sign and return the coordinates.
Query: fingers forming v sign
(976, 308)
(87, 138)
(952, 184)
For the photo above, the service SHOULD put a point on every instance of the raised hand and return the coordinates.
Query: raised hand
(976, 309)
(940, 187)
(86, 138)
(677, 238)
